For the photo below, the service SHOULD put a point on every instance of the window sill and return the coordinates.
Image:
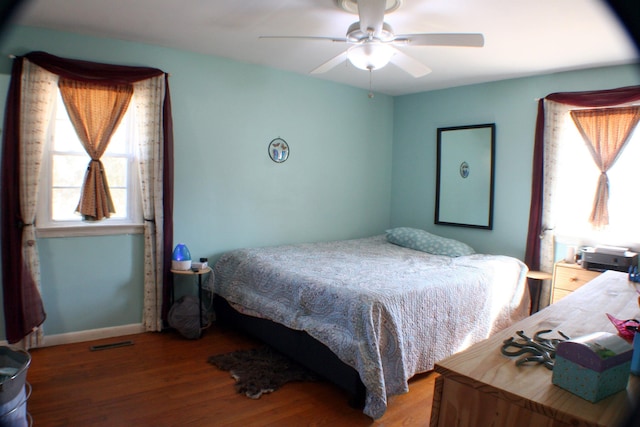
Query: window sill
(89, 230)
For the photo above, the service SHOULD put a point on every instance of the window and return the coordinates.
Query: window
(575, 186)
(64, 165)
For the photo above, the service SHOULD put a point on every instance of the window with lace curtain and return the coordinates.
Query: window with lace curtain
(63, 169)
(575, 185)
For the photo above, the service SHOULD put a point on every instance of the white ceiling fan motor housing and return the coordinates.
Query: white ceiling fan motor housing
(356, 35)
(351, 6)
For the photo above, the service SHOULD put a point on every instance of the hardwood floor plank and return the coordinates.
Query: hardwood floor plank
(165, 380)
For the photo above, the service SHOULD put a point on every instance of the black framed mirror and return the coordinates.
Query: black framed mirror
(465, 176)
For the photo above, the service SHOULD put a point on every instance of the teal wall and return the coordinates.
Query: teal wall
(512, 106)
(357, 165)
(228, 193)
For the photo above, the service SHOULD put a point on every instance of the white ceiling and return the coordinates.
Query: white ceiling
(522, 37)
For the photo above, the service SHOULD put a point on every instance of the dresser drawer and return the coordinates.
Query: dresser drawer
(572, 278)
(569, 277)
(558, 294)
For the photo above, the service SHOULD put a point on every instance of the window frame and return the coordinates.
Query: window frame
(609, 235)
(132, 224)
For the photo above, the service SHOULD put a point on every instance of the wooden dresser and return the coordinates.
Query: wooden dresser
(567, 278)
(481, 387)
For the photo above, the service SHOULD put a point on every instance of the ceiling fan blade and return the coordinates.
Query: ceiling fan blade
(441, 39)
(336, 60)
(409, 64)
(371, 13)
(331, 39)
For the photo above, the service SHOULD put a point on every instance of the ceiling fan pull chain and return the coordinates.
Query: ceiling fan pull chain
(370, 79)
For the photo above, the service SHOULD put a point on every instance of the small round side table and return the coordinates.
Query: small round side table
(535, 289)
(198, 273)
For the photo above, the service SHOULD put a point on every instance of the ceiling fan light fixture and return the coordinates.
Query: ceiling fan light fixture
(370, 55)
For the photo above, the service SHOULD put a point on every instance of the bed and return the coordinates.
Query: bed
(374, 310)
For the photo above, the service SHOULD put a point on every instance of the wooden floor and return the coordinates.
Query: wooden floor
(165, 380)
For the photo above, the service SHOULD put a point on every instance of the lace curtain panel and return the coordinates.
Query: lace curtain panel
(37, 101)
(149, 95)
(554, 118)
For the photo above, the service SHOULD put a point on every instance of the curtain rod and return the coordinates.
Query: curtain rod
(12, 56)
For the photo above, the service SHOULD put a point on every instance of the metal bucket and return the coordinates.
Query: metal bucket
(17, 361)
(14, 412)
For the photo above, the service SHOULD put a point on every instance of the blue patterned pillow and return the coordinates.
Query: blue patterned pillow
(421, 240)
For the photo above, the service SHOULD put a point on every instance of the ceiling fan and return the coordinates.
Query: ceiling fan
(373, 42)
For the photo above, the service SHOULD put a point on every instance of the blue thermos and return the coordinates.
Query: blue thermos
(635, 359)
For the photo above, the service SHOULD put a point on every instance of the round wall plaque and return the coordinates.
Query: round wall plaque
(279, 150)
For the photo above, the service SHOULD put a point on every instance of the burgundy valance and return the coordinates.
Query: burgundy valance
(597, 98)
(91, 71)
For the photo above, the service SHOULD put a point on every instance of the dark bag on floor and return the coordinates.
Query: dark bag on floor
(184, 316)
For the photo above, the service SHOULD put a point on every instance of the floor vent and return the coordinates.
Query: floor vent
(111, 345)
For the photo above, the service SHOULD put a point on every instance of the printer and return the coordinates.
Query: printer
(603, 258)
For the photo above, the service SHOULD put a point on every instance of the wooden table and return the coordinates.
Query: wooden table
(481, 387)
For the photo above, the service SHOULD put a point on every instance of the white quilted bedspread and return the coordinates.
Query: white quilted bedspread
(387, 311)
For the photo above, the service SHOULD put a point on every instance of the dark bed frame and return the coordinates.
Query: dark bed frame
(298, 345)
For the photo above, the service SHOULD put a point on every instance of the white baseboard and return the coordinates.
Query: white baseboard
(89, 335)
